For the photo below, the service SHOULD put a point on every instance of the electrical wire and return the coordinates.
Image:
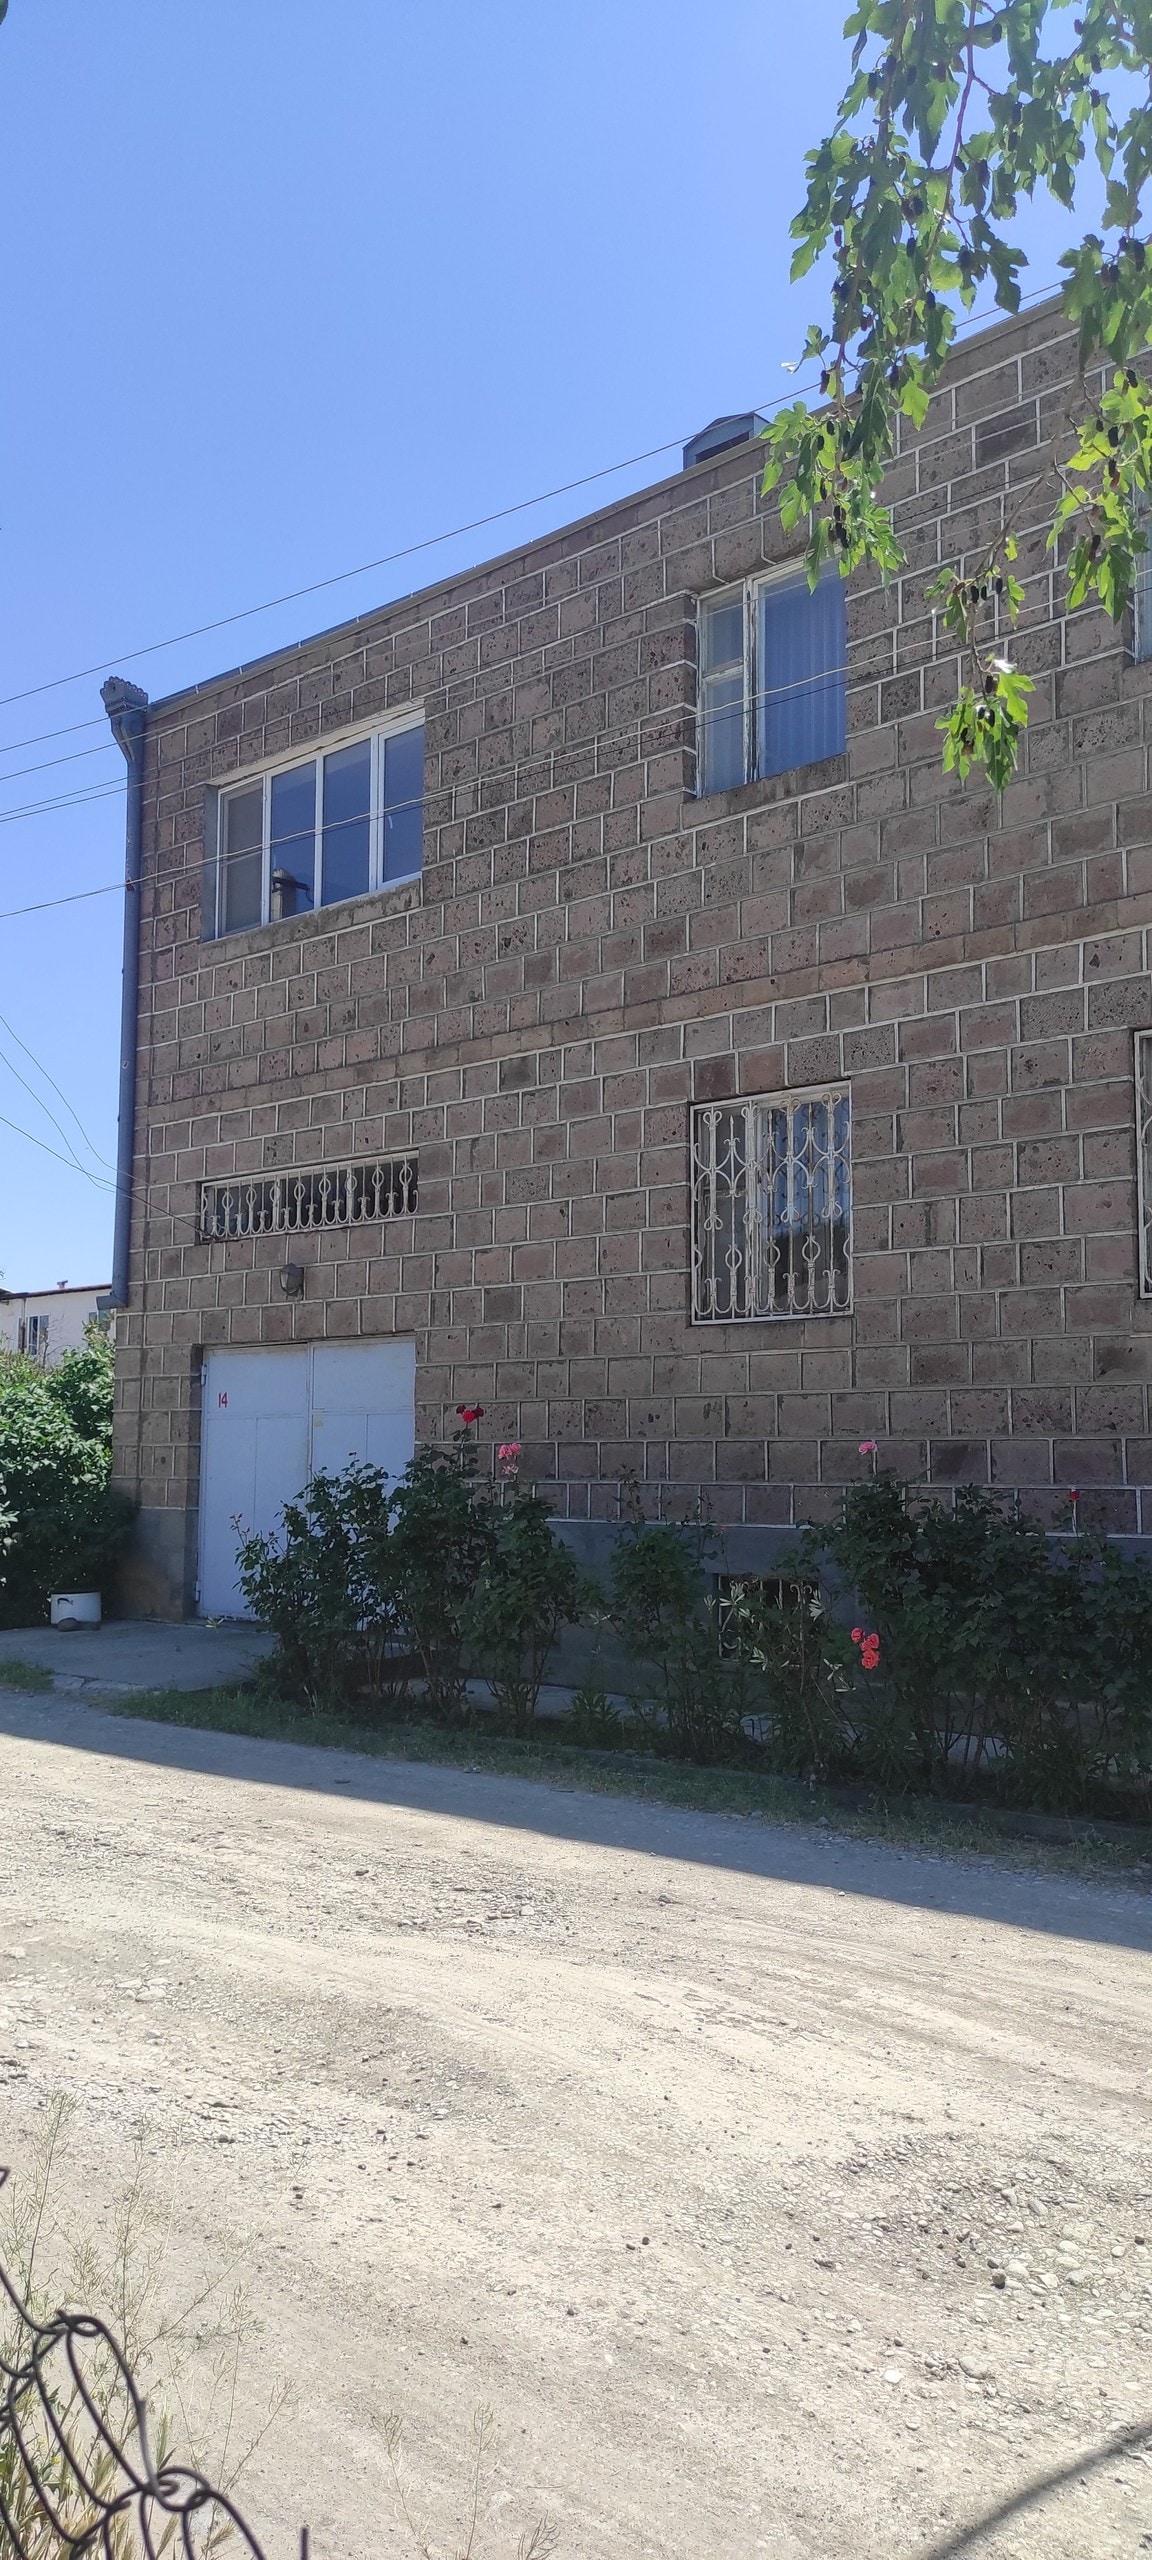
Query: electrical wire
(89, 792)
(61, 1096)
(72, 898)
(478, 780)
(40, 736)
(341, 577)
(107, 746)
(96, 1179)
(432, 541)
(5, 1061)
(63, 800)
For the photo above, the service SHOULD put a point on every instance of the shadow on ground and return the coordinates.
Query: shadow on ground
(1129, 2440)
(1055, 1906)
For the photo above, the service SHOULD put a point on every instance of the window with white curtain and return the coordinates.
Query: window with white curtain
(772, 677)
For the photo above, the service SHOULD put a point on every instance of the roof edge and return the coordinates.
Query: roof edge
(725, 465)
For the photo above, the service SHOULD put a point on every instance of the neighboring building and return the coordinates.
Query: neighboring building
(48, 1322)
(701, 1081)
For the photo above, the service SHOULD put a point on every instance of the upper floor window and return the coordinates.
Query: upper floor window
(772, 670)
(332, 826)
(1142, 593)
(772, 1207)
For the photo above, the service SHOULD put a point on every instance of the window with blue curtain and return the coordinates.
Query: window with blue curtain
(800, 642)
(772, 678)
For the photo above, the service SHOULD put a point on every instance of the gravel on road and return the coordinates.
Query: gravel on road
(780, 2193)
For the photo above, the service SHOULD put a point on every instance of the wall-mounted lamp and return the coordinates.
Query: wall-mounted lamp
(292, 1279)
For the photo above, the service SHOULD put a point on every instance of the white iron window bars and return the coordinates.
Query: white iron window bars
(322, 828)
(308, 1199)
(772, 1207)
(1144, 1155)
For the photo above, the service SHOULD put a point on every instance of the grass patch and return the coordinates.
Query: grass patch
(29, 1676)
(902, 1822)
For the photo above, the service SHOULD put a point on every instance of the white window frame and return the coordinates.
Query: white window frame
(1142, 594)
(378, 733)
(713, 1189)
(749, 591)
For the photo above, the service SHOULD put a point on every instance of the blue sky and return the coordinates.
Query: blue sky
(292, 283)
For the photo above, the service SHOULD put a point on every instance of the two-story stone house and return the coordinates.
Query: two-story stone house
(576, 989)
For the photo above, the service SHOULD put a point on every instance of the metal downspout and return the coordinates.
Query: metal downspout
(126, 706)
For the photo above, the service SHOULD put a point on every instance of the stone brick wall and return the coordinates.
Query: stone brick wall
(592, 948)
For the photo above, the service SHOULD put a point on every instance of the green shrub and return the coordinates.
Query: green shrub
(1004, 1654)
(322, 1586)
(806, 1668)
(594, 1724)
(529, 1587)
(443, 1529)
(692, 1701)
(61, 1525)
(82, 1383)
(442, 1566)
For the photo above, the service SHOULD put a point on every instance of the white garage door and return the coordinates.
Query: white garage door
(274, 1418)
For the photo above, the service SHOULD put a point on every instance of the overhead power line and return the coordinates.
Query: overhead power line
(40, 736)
(96, 1179)
(61, 1096)
(341, 577)
(72, 898)
(63, 800)
(107, 746)
(428, 542)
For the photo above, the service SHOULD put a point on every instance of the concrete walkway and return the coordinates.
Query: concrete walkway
(140, 1653)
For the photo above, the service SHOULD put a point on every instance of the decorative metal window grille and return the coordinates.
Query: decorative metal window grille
(1144, 1155)
(772, 1208)
(300, 1202)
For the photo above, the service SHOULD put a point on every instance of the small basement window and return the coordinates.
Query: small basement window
(328, 827)
(772, 1207)
(772, 678)
(307, 1200)
(769, 1590)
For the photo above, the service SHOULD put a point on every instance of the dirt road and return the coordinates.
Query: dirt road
(690, 2145)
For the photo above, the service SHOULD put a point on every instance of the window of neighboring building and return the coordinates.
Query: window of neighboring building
(324, 827)
(772, 677)
(33, 1337)
(772, 1207)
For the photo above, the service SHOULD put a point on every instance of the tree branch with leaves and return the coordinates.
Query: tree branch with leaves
(955, 110)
